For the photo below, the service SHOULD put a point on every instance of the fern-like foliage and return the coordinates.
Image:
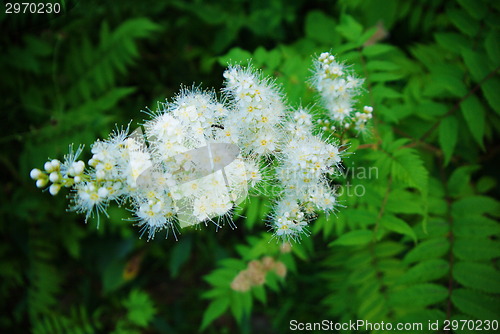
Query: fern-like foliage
(77, 322)
(95, 68)
(421, 243)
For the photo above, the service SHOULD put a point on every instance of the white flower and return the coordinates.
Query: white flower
(154, 216)
(289, 221)
(337, 86)
(200, 156)
(265, 144)
(87, 199)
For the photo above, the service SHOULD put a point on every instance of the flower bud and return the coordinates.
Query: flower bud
(48, 167)
(35, 174)
(42, 183)
(54, 189)
(54, 177)
(56, 164)
(78, 167)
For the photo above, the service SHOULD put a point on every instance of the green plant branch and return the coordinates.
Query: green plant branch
(457, 105)
(451, 258)
(383, 205)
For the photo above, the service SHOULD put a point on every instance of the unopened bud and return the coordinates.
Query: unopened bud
(35, 173)
(54, 177)
(54, 189)
(42, 183)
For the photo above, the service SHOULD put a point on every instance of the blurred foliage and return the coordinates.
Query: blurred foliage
(422, 243)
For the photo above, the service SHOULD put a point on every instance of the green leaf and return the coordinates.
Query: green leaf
(221, 277)
(260, 55)
(377, 50)
(453, 42)
(418, 295)
(463, 21)
(388, 249)
(272, 281)
(492, 46)
(260, 293)
(441, 82)
(382, 92)
(448, 134)
(404, 201)
(477, 249)
(320, 27)
(430, 110)
(240, 304)
(476, 304)
(485, 184)
(236, 305)
(252, 212)
(371, 304)
(477, 276)
(490, 92)
(381, 65)
(407, 166)
(140, 308)
(350, 28)
(112, 276)
(477, 9)
(475, 227)
(179, 255)
(216, 308)
(235, 56)
(475, 117)
(428, 249)
(436, 228)
(459, 181)
(362, 275)
(385, 76)
(393, 223)
(354, 238)
(425, 271)
(475, 206)
(475, 62)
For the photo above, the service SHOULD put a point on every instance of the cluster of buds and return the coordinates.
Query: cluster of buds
(60, 174)
(326, 125)
(255, 273)
(361, 118)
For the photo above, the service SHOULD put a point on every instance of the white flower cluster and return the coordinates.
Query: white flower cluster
(338, 88)
(199, 157)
